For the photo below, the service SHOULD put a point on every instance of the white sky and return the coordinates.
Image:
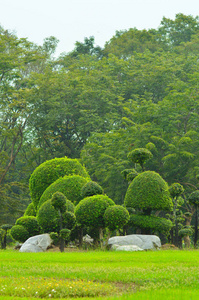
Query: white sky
(72, 20)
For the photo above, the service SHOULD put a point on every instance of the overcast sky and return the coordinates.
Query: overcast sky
(72, 20)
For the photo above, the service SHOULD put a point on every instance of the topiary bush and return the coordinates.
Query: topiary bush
(48, 218)
(30, 210)
(68, 220)
(19, 233)
(90, 211)
(116, 217)
(139, 156)
(49, 171)
(70, 186)
(148, 191)
(194, 198)
(58, 201)
(91, 188)
(30, 223)
(156, 224)
(175, 190)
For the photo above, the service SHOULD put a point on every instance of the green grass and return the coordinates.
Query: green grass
(168, 274)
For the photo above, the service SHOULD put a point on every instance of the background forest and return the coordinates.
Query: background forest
(98, 104)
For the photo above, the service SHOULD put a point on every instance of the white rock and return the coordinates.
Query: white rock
(128, 248)
(144, 242)
(37, 243)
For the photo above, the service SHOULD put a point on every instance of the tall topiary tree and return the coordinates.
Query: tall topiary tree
(194, 200)
(90, 212)
(148, 192)
(49, 171)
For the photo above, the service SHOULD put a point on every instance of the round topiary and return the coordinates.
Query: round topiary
(176, 190)
(48, 218)
(194, 198)
(30, 224)
(70, 186)
(65, 234)
(156, 224)
(91, 188)
(148, 191)
(68, 220)
(116, 217)
(186, 231)
(58, 201)
(30, 210)
(19, 233)
(140, 155)
(90, 211)
(49, 171)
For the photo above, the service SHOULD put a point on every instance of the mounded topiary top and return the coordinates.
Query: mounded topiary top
(70, 186)
(90, 211)
(148, 191)
(49, 171)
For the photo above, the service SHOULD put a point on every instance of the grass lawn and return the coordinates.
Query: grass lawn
(164, 274)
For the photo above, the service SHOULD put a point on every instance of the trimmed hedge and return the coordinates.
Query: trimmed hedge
(156, 224)
(91, 188)
(148, 191)
(19, 233)
(49, 171)
(70, 186)
(116, 217)
(30, 223)
(48, 218)
(90, 211)
(30, 210)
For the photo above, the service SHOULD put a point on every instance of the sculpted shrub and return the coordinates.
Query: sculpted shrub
(49, 171)
(70, 186)
(30, 223)
(91, 188)
(30, 210)
(116, 217)
(19, 233)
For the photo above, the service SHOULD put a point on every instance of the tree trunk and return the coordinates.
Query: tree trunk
(196, 229)
(80, 235)
(101, 238)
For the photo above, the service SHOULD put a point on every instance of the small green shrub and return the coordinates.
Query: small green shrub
(30, 223)
(140, 155)
(30, 210)
(65, 234)
(69, 220)
(70, 186)
(55, 237)
(116, 217)
(91, 188)
(90, 211)
(176, 189)
(194, 198)
(58, 201)
(19, 233)
(49, 171)
(48, 217)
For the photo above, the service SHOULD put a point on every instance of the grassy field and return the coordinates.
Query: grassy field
(168, 274)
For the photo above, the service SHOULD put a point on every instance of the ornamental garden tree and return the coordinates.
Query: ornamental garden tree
(148, 193)
(140, 156)
(194, 200)
(176, 190)
(90, 213)
(3, 234)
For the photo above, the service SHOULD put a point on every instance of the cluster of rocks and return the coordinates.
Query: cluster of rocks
(133, 242)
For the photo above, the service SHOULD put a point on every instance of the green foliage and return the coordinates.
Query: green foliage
(90, 211)
(65, 234)
(129, 174)
(55, 237)
(116, 217)
(30, 210)
(148, 191)
(176, 189)
(48, 217)
(19, 233)
(68, 220)
(186, 231)
(70, 186)
(156, 224)
(6, 226)
(48, 172)
(194, 198)
(91, 188)
(140, 155)
(30, 224)
(58, 201)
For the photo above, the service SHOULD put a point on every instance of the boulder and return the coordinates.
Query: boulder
(144, 242)
(128, 248)
(37, 243)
